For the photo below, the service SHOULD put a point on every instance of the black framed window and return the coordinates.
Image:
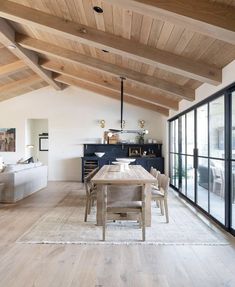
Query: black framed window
(202, 156)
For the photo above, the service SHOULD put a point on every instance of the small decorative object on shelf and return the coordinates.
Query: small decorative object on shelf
(111, 138)
(141, 139)
(135, 151)
(99, 154)
(114, 139)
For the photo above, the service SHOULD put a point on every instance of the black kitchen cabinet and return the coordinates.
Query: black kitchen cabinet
(147, 163)
(90, 160)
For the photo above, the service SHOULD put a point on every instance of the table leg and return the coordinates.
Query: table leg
(99, 205)
(148, 205)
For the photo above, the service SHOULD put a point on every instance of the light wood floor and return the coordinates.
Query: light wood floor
(35, 265)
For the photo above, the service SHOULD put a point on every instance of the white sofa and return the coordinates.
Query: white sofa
(20, 180)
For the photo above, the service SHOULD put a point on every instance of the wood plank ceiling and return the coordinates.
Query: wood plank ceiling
(165, 49)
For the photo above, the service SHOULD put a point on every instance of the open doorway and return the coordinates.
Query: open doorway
(37, 137)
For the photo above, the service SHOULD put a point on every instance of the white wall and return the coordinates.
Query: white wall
(204, 91)
(73, 116)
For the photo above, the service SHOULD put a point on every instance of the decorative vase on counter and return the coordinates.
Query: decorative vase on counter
(141, 139)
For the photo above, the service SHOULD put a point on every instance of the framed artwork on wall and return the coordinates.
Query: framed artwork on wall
(43, 144)
(7, 139)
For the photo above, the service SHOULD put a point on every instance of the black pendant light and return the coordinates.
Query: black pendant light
(116, 131)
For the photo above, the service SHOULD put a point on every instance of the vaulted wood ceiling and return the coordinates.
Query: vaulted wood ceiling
(165, 49)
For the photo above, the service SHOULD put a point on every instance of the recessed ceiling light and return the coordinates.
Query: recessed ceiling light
(105, 51)
(12, 46)
(98, 9)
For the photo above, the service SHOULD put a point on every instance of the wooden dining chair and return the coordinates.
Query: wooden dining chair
(160, 194)
(125, 209)
(91, 192)
(154, 172)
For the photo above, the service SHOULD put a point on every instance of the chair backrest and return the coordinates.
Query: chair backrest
(87, 180)
(164, 182)
(152, 170)
(125, 193)
(156, 173)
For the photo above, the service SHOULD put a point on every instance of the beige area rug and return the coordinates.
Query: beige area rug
(64, 225)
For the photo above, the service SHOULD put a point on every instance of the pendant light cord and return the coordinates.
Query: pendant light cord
(122, 99)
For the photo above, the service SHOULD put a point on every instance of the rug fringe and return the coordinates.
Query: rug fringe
(125, 243)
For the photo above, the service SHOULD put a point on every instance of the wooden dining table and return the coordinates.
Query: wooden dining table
(111, 175)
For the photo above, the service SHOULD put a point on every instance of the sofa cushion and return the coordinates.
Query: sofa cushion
(21, 166)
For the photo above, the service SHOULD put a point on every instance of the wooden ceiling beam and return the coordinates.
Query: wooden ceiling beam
(137, 92)
(7, 36)
(110, 93)
(98, 65)
(211, 19)
(19, 84)
(11, 68)
(18, 92)
(115, 44)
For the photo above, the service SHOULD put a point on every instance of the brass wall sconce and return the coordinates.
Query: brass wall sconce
(102, 123)
(142, 123)
(123, 124)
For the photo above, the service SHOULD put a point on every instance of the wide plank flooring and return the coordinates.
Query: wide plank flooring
(42, 265)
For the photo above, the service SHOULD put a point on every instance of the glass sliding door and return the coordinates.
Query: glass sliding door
(202, 168)
(190, 145)
(203, 156)
(216, 159)
(182, 170)
(183, 187)
(182, 157)
(182, 136)
(203, 183)
(190, 175)
(232, 164)
(174, 156)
